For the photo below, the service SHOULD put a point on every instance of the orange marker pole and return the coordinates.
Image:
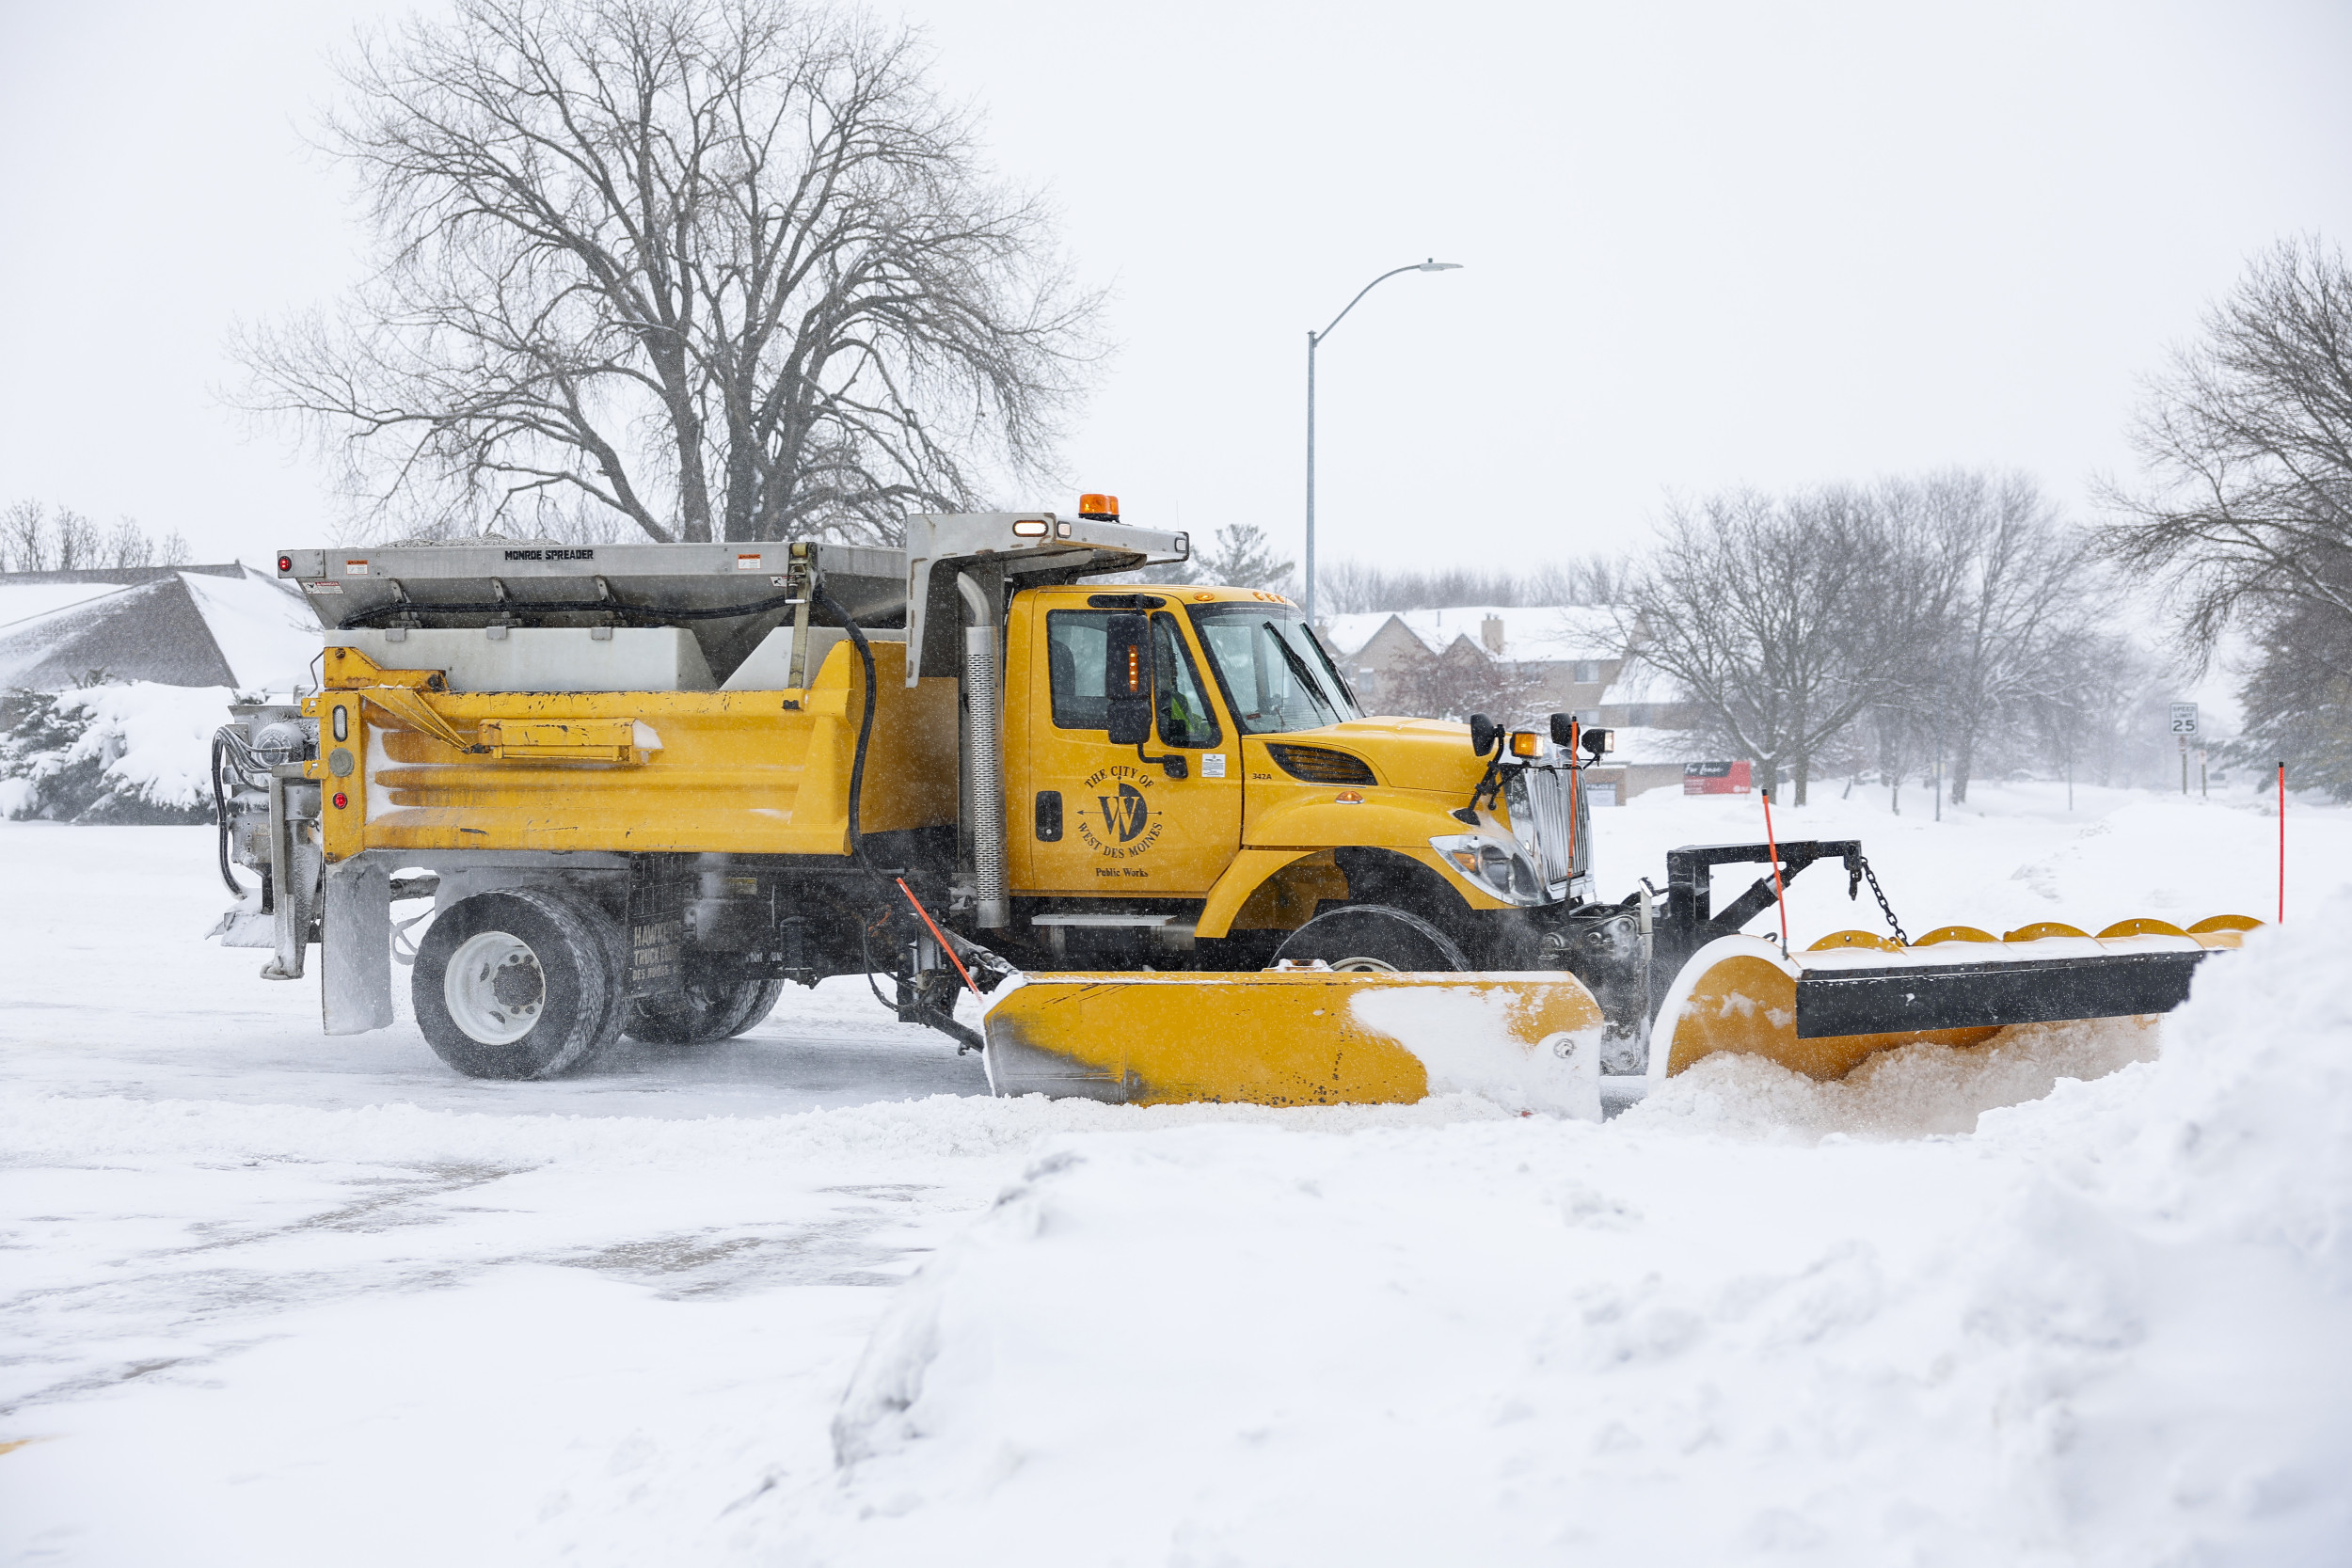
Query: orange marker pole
(1780, 894)
(2282, 843)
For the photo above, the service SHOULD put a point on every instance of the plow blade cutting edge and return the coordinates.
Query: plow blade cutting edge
(1300, 1038)
(1822, 1012)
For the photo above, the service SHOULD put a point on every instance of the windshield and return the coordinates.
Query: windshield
(1273, 672)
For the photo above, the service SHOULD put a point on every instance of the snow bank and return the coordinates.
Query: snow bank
(1915, 1092)
(2110, 1326)
(134, 753)
(263, 629)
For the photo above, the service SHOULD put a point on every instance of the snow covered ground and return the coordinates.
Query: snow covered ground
(271, 1298)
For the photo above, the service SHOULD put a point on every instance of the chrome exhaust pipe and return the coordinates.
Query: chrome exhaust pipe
(984, 758)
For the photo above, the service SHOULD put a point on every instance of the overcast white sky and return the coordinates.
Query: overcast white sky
(1703, 244)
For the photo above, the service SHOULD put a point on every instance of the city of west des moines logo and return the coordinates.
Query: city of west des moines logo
(1122, 825)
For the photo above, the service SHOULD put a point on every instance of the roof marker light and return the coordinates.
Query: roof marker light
(1028, 527)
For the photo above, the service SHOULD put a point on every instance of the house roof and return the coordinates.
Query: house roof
(183, 625)
(1640, 681)
(1529, 631)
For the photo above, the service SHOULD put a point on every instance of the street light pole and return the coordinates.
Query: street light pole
(1313, 340)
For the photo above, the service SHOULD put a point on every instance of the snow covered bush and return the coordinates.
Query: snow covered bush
(135, 753)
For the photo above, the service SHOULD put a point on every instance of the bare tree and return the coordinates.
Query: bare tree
(1772, 616)
(127, 545)
(24, 536)
(78, 543)
(2249, 439)
(2299, 701)
(1352, 587)
(725, 268)
(30, 541)
(2005, 595)
(1462, 681)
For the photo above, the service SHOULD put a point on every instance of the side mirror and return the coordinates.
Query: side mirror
(1597, 741)
(1127, 679)
(1563, 729)
(1484, 734)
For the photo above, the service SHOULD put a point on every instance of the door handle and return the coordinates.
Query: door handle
(1049, 816)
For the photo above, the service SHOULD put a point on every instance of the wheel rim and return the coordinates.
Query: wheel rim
(494, 989)
(1362, 966)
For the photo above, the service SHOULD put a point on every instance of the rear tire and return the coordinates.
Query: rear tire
(701, 1013)
(1373, 938)
(518, 984)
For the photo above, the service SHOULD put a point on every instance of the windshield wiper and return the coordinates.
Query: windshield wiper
(1299, 667)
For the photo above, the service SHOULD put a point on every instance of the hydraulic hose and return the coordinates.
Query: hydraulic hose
(223, 739)
(832, 605)
(966, 1040)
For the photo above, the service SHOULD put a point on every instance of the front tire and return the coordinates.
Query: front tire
(702, 1012)
(518, 984)
(1374, 938)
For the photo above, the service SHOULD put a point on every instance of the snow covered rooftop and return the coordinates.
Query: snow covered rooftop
(193, 625)
(1529, 631)
(1639, 681)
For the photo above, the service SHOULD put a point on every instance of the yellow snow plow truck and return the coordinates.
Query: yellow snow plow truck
(645, 785)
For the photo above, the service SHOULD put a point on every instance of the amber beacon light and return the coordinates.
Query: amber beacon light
(1098, 508)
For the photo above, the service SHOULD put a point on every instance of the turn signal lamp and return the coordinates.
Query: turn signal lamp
(1526, 743)
(1029, 528)
(285, 563)
(1098, 508)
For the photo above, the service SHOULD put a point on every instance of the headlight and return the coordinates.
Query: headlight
(1501, 869)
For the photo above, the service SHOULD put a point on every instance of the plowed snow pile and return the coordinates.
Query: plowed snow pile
(1856, 1323)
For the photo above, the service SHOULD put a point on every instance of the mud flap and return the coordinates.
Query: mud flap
(356, 949)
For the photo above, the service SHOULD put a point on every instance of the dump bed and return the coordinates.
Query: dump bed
(755, 772)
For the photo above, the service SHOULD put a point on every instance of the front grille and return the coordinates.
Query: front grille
(1543, 802)
(1317, 765)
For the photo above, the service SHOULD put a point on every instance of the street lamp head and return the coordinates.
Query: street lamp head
(1432, 265)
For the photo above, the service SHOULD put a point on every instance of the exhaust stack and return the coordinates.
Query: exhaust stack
(984, 758)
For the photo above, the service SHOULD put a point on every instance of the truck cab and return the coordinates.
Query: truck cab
(1261, 792)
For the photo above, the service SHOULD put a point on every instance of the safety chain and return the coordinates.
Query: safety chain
(1880, 893)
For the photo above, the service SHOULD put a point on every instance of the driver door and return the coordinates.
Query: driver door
(1101, 818)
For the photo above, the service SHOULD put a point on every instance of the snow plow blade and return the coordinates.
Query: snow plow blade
(1299, 1037)
(1824, 1011)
